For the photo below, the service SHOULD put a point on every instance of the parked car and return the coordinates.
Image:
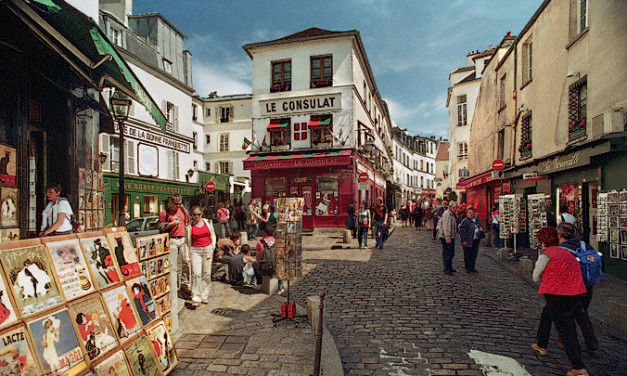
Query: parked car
(142, 226)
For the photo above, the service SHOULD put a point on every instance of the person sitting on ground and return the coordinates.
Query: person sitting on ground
(269, 240)
(239, 271)
(225, 250)
(229, 245)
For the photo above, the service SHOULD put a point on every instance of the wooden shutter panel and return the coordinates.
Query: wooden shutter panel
(231, 168)
(104, 148)
(176, 118)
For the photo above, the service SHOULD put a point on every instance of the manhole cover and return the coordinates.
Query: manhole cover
(226, 312)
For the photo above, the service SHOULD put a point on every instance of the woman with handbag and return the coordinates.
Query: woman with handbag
(202, 239)
(364, 223)
(471, 233)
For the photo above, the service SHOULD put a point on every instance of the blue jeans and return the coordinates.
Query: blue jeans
(377, 235)
(448, 252)
(252, 230)
(363, 236)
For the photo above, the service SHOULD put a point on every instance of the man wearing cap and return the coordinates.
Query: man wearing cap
(447, 233)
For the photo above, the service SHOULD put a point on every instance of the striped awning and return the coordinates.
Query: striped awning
(278, 125)
(319, 122)
(296, 160)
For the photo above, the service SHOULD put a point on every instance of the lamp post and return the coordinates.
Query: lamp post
(120, 105)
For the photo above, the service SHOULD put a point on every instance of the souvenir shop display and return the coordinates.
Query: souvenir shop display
(70, 265)
(161, 341)
(9, 203)
(17, 354)
(121, 312)
(94, 328)
(113, 365)
(603, 233)
(141, 358)
(537, 218)
(144, 303)
(153, 253)
(8, 313)
(100, 260)
(612, 222)
(124, 252)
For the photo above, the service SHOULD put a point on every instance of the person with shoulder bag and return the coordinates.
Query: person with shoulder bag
(173, 220)
(471, 233)
(56, 216)
(202, 240)
(223, 217)
(363, 221)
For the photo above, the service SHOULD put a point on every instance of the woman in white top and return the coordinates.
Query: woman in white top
(364, 223)
(56, 215)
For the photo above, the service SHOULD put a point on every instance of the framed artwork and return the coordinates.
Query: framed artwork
(622, 196)
(166, 264)
(8, 314)
(162, 344)
(95, 331)
(30, 275)
(144, 303)
(113, 365)
(614, 209)
(81, 199)
(125, 253)
(81, 178)
(614, 222)
(88, 177)
(615, 250)
(614, 235)
(100, 260)
(56, 343)
(10, 234)
(71, 267)
(16, 354)
(9, 207)
(141, 358)
(623, 222)
(623, 252)
(623, 236)
(121, 312)
(167, 320)
(8, 165)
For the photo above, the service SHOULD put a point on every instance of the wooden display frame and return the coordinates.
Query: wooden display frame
(9, 314)
(111, 271)
(11, 343)
(126, 259)
(157, 238)
(142, 346)
(151, 313)
(156, 330)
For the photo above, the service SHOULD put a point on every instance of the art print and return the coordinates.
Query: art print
(30, 276)
(8, 314)
(101, 261)
(121, 312)
(95, 331)
(113, 365)
(622, 195)
(623, 252)
(141, 358)
(623, 236)
(614, 222)
(163, 346)
(8, 207)
(71, 267)
(8, 165)
(16, 354)
(623, 222)
(167, 320)
(160, 266)
(612, 197)
(144, 304)
(88, 177)
(614, 209)
(56, 343)
(166, 264)
(125, 254)
(291, 227)
(94, 198)
(144, 268)
(88, 199)
(81, 178)
(10, 234)
(615, 251)
(623, 208)
(614, 235)
(81, 199)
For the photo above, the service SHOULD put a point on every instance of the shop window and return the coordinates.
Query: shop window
(321, 71)
(577, 109)
(527, 63)
(150, 205)
(462, 111)
(300, 131)
(281, 76)
(275, 187)
(525, 137)
(327, 195)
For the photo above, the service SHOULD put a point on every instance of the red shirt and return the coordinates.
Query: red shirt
(167, 216)
(201, 237)
(562, 275)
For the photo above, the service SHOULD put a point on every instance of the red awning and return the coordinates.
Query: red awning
(475, 180)
(298, 160)
(278, 125)
(317, 122)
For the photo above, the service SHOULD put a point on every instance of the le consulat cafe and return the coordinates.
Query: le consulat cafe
(306, 149)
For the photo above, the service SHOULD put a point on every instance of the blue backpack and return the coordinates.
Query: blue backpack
(590, 262)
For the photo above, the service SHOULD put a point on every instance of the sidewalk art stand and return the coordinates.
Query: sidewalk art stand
(288, 237)
(77, 305)
(513, 211)
(154, 260)
(612, 222)
(537, 218)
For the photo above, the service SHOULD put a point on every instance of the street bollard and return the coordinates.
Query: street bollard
(318, 353)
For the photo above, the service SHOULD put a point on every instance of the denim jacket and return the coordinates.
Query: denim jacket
(467, 230)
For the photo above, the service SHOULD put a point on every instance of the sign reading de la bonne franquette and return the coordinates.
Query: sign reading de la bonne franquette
(155, 138)
(308, 104)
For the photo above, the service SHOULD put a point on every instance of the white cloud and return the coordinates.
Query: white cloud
(214, 77)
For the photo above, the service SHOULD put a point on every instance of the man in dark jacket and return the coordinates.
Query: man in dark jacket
(469, 232)
(567, 233)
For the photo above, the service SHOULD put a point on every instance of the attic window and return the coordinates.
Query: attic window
(167, 66)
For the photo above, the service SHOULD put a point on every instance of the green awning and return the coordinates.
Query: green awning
(81, 36)
(279, 124)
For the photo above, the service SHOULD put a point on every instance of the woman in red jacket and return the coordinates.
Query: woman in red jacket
(561, 283)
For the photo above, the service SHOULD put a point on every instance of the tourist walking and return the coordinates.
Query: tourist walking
(404, 213)
(417, 215)
(496, 227)
(380, 222)
(202, 240)
(438, 211)
(223, 217)
(364, 223)
(173, 221)
(471, 233)
(447, 232)
(351, 219)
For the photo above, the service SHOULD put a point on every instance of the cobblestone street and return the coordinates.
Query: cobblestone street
(396, 313)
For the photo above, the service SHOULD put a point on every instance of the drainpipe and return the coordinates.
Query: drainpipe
(516, 110)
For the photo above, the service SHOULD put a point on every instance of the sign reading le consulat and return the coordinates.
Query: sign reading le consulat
(313, 103)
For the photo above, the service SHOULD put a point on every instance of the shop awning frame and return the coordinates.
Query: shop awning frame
(320, 121)
(278, 125)
(78, 40)
(298, 160)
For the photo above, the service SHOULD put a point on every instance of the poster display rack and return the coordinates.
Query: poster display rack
(612, 222)
(74, 305)
(537, 218)
(513, 211)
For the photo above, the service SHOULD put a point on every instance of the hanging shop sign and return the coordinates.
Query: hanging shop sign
(308, 104)
(532, 176)
(158, 139)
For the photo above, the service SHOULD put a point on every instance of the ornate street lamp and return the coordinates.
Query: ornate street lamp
(120, 105)
(190, 173)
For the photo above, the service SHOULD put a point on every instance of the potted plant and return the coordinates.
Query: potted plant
(280, 144)
(321, 143)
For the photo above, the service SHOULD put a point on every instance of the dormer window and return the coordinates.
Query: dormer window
(167, 66)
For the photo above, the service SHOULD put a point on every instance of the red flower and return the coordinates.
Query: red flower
(583, 121)
(528, 146)
(520, 148)
(570, 127)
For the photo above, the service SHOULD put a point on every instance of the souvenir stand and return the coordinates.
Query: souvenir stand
(537, 218)
(9, 225)
(78, 304)
(154, 260)
(612, 222)
(513, 217)
(288, 246)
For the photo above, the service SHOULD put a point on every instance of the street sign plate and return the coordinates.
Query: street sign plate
(362, 186)
(498, 164)
(363, 177)
(210, 186)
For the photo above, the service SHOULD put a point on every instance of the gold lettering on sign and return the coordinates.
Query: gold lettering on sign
(560, 164)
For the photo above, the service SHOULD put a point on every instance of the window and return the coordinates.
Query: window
(226, 167)
(421, 165)
(167, 66)
(321, 71)
(281, 76)
(111, 146)
(502, 94)
(300, 131)
(224, 142)
(582, 16)
(116, 36)
(500, 144)
(463, 172)
(173, 165)
(462, 114)
(422, 181)
(525, 137)
(207, 112)
(320, 127)
(194, 112)
(577, 109)
(226, 114)
(527, 63)
(207, 166)
(207, 139)
(131, 161)
(279, 131)
(195, 164)
(195, 137)
(171, 113)
(462, 151)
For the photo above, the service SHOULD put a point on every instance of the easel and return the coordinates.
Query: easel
(277, 318)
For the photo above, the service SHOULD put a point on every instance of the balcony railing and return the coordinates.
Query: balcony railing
(316, 83)
(279, 87)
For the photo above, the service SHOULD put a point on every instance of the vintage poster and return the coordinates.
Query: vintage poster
(149, 246)
(163, 346)
(95, 331)
(71, 268)
(113, 365)
(101, 261)
(8, 207)
(16, 355)
(141, 358)
(125, 253)
(8, 166)
(56, 343)
(7, 310)
(144, 304)
(10, 234)
(30, 275)
(615, 250)
(122, 312)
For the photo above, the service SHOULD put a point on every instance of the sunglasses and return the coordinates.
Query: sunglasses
(195, 214)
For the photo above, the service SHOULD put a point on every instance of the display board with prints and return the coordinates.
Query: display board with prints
(288, 237)
(537, 217)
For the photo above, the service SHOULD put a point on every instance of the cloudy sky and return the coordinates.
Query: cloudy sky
(412, 45)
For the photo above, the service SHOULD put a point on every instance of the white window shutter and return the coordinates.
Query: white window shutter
(231, 167)
(231, 114)
(176, 119)
(217, 167)
(104, 148)
(170, 165)
(130, 157)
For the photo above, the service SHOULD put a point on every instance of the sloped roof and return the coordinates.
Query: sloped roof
(308, 34)
(469, 78)
(463, 69)
(311, 32)
(442, 151)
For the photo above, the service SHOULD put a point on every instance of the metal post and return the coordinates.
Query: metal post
(121, 194)
(318, 352)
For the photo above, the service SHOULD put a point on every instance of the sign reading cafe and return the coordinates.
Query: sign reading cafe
(308, 104)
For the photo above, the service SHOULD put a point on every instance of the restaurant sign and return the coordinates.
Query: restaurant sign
(565, 162)
(295, 105)
(155, 138)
